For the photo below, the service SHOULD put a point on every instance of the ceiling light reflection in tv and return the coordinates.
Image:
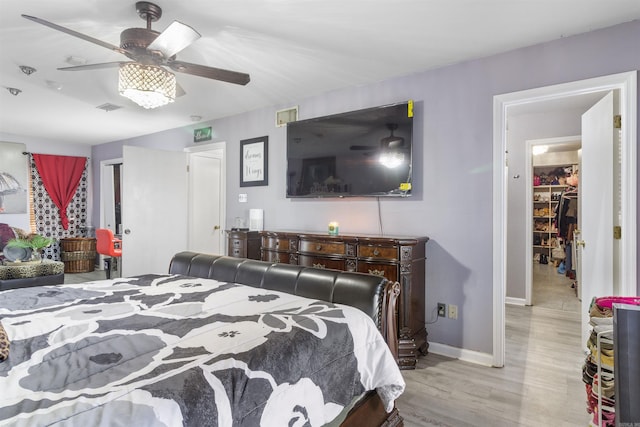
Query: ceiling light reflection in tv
(355, 154)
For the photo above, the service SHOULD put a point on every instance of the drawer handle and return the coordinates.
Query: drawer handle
(377, 272)
(319, 265)
(318, 247)
(376, 252)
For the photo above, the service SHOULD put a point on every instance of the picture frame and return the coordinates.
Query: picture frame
(14, 180)
(254, 162)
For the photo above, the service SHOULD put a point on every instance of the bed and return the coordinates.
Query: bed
(218, 341)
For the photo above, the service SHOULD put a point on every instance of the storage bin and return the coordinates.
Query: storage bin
(78, 254)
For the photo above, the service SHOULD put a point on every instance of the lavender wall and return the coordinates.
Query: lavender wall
(453, 164)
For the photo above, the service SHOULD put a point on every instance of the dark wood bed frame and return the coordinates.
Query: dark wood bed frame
(375, 295)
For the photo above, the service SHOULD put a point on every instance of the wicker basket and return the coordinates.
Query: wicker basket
(78, 254)
(78, 244)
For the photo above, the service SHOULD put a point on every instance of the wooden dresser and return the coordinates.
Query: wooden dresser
(400, 259)
(244, 244)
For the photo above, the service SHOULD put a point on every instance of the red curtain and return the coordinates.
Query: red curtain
(60, 176)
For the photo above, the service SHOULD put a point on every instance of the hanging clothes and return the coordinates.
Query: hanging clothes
(566, 214)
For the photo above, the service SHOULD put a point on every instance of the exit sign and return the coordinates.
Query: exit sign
(203, 134)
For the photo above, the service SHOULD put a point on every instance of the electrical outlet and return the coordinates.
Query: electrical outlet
(242, 198)
(442, 310)
(453, 311)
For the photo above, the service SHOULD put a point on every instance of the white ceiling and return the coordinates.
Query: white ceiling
(292, 49)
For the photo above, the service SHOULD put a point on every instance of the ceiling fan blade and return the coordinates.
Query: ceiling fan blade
(209, 72)
(77, 34)
(93, 66)
(180, 90)
(173, 39)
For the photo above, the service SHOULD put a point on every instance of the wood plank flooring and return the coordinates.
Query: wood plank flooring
(540, 384)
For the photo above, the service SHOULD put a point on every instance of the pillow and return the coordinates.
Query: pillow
(7, 233)
(4, 344)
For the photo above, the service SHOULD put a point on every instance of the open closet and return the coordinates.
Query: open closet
(555, 220)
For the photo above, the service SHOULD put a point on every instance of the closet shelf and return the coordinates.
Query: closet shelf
(546, 198)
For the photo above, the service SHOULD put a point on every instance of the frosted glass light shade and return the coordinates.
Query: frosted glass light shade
(147, 85)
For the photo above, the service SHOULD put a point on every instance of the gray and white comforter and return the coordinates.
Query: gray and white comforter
(161, 350)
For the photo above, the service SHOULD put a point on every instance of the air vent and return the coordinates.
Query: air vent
(108, 107)
(287, 115)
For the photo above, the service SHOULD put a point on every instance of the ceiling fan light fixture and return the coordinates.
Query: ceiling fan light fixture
(391, 158)
(147, 85)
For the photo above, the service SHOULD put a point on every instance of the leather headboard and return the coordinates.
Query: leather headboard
(363, 291)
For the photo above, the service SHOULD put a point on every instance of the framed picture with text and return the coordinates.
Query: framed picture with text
(254, 162)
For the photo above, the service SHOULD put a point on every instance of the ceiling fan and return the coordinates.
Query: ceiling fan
(388, 142)
(150, 51)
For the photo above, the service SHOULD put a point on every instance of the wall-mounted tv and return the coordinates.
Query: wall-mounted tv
(354, 154)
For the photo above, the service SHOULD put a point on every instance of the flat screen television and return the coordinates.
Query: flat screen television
(354, 154)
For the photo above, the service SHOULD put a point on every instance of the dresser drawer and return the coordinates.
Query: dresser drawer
(237, 243)
(238, 252)
(322, 247)
(380, 252)
(390, 271)
(279, 243)
(325, 262)
(278, 257)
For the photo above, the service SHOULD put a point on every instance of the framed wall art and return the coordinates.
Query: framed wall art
(254, 162)
(13, 178)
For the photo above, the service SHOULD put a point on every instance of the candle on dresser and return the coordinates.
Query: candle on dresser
(333, 228)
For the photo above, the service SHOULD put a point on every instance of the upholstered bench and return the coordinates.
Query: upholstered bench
(31, 273)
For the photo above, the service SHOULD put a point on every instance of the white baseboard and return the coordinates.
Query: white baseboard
(515, 301)
(462, 354)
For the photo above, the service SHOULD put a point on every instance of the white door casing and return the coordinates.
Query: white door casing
(626, 84)
(107, 199)
(154, 209)
(107, 212)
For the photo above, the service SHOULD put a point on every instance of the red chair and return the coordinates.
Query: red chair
(107, 244)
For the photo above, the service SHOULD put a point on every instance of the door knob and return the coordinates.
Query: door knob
(127, 231)
(581, 243)
(216, 227)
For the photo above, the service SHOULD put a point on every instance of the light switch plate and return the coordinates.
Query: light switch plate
(242, 198)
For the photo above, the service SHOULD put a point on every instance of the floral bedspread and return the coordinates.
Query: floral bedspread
(167, 350)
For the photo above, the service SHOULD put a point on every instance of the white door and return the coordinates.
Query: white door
(205, 207)
(596, 205)
(154, 209)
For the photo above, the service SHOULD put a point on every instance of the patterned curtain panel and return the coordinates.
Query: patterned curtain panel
(47, 216)
(60, 176)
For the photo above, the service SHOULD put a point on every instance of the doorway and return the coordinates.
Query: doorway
(110, 198)
(207, 198)
(551, 164)
(625, 84)
(158, 203)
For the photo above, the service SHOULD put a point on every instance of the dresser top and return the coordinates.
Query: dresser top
(362, 238)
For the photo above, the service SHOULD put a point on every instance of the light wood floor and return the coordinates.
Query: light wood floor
(540, 385)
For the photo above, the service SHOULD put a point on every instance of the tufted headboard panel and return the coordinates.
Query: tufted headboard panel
(363, 291)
